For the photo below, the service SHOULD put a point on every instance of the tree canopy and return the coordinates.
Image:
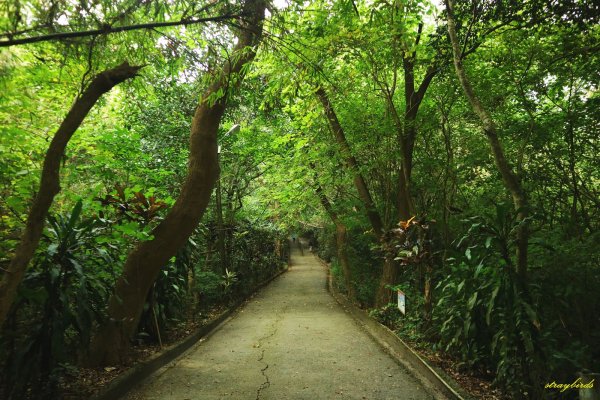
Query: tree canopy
(155, 156)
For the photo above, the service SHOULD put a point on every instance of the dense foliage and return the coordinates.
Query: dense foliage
(349, 126)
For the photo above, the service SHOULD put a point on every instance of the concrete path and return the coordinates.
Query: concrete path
(292, 341)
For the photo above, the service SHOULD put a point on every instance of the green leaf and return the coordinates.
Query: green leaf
(490, 306)
(488, 242)
(472, 301)
(74, 215)
(531, 314)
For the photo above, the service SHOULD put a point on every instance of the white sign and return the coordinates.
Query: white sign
(401, 302)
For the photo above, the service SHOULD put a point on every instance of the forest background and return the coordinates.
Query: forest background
(154, 157)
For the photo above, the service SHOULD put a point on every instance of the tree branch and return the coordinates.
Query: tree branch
(110, 29)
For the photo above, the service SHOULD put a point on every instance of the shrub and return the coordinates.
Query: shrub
(61, 298)
(208, 285)
(485, 314)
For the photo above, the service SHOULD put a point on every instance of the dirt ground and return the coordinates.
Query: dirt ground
(292, 341)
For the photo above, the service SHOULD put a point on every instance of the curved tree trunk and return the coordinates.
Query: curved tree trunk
(390, 266)
(511, 182)
(352, 164)
(50, 180)
(145, 261)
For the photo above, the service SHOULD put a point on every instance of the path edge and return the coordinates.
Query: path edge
(132, 377)
(396, 347)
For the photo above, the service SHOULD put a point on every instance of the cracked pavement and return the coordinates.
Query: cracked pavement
(291, 341)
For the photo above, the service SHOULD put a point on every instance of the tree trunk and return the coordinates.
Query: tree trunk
(220, 229)
(340, 239)
(511, 182)
(390, 267)
(407, 127)
(359, 180)
(407, 134)
(50, 180)
(427, 267)
(146, 260)
(341, 242)
(388, 277)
